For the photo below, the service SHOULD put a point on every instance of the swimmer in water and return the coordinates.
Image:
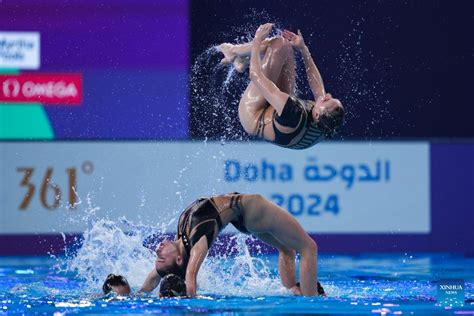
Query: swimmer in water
(117, 284)
(201, 222)
(170, 286)
(269, 98)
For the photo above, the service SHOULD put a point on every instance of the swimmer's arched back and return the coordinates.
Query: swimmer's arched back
(202, 221)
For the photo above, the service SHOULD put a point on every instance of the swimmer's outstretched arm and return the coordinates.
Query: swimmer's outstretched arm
(151, 281)
(197, 256)
(269, 90)
(315, 80)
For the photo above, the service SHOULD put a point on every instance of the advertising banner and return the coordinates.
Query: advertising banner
(42, 88)
(20, 50)
(351, 187)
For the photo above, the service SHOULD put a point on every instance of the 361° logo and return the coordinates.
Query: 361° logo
(47, 187)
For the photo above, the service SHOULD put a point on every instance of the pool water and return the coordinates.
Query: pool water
(356, 284)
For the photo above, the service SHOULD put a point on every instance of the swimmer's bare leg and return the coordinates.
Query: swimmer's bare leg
(287, 80)
(232, 51)
(263, 216)
(286, 83)
(252, 103)
(239, 54)
(286, 260)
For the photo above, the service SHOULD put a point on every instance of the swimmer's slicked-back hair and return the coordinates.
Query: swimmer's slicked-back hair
(332, 120)
(113, 280)
(172, 285)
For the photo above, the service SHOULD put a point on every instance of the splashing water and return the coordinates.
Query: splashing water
(123, 247)
(215, 93)
(216, 89)
(356, 284)
(107, 248)
(240, 274)
(358, 76)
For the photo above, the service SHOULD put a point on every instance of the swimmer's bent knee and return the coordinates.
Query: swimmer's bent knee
(278, 42)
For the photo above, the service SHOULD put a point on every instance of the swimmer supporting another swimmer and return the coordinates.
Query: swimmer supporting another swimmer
(269, 98)
(200, 223)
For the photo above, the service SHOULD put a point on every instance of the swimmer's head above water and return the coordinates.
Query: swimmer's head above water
(329, 113)
(170, 259)
(117, 284)
(172, 286)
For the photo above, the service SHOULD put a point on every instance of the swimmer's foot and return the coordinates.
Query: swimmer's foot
(241, 63)
(296, 290)
(227, 51)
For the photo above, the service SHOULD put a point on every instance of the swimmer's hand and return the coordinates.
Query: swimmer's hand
(296, 40)
(263, 31)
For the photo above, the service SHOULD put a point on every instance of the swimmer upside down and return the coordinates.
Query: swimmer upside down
(269, 98)
(201, 222)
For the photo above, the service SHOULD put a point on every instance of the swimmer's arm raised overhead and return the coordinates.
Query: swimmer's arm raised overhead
(197, 256)
(315, 80)
(151, 281)
(269, 90)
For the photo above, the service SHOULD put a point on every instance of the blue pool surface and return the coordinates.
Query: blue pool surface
(385, 284)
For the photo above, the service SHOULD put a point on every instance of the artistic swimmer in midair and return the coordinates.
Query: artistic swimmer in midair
(200, 223)
(269, 98)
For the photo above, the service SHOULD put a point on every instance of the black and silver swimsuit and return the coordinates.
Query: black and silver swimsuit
(202, 218)
(296, 114)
